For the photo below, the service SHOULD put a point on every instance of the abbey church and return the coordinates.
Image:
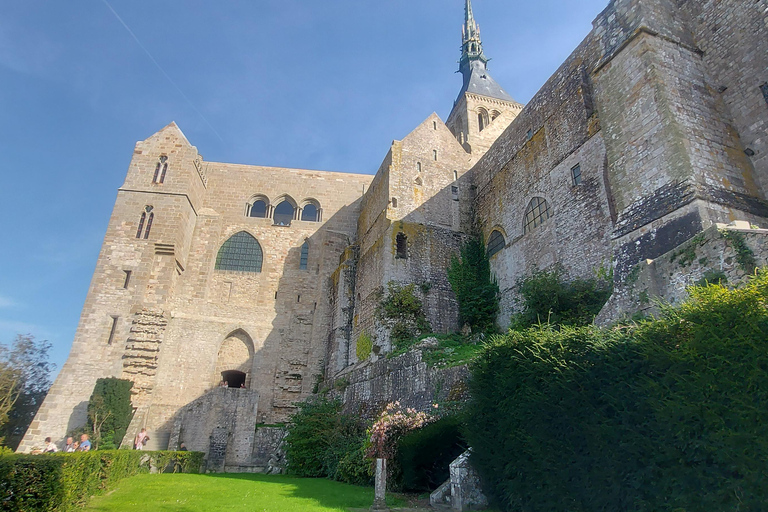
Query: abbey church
(224, 292)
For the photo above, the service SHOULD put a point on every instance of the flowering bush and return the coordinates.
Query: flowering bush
(392, 424)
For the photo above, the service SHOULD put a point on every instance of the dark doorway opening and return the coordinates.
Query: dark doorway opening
(233, 378)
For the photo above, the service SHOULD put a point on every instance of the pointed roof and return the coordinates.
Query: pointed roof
(473, 61)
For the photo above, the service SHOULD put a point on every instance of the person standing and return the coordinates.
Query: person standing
(141, 439)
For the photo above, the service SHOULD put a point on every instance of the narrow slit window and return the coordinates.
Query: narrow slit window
(149, 225)
(576, 175)
(394, 202)
(112, 330)
(401, 246)
(165, 170)
(455, 175)
(304, 256)
(434, 154)
(418, 166)
(141, 224)
(455, 193)
(160, 169)
(127, 280)
(434, 125)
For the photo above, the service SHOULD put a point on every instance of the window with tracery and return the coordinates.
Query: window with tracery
(258, 209)
(536, 214)
(160, 170)
(495, 242)
(241, 252)
(145, 222)
(283, 214)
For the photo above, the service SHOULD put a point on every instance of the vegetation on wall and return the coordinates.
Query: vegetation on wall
(548, 298)
(64, 481)
(364, 346)
(668, 414)
(24, 382)
(402, 312)
(476, 291)
(324, 442)
(109, 412)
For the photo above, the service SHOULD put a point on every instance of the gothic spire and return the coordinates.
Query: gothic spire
(471, 45)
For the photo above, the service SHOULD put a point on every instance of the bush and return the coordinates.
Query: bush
(666, 415)
(403, 313)
(476, 292)
(64, 481)
(323, 442)
(548, 298)
(425, 454)
(109, 412)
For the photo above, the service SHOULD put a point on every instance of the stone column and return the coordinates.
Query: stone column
(379, 499)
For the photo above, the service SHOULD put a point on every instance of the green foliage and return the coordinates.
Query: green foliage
(24, 382)
(109, 412)
(454, 350)
(403, 313)
(548, 298)
(744, 255)
(713, 277)
(687, 253)
(425, 454)
(668, 414)
(324, 442)
(364, 346)
(476, 292)
(64, 481)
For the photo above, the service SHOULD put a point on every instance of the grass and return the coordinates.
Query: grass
(454, 350)
(233, 493)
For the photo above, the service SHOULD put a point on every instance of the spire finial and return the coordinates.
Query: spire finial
(471, 45)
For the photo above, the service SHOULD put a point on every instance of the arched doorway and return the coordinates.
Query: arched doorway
(235, 360)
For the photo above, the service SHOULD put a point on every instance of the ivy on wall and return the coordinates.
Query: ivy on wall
(476, 291)
(402, 311)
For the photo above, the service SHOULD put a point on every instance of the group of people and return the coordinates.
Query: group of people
(72, 446)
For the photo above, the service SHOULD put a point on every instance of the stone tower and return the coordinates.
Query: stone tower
(483, 110)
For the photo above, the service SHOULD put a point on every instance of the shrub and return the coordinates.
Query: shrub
(324, 442)
(64, 481)
(666, 415)
(403, 313)
(548, 298)
(364, 346)
(425, 454)
(109, 412)
(476, 292)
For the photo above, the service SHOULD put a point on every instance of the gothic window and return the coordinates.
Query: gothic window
(284, 213)
(241, 252)
(310, 212)
(495, 242)
(147, 216)
(536, 214)
(576, 175)
(258, 209)
(160, 169)
(304, 256)
(401, 246)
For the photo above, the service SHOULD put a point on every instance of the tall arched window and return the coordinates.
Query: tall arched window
(160, 169)
(147, 216)
(482, 118)
(258, 209)
(310, 213)
(283, 214)
(495, 242)
(241, 252)
(536, 214)
(304, 256)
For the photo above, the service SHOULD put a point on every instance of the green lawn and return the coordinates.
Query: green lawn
(231, 493)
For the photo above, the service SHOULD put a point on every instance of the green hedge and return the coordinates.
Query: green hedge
(64, 481)
(669, 414)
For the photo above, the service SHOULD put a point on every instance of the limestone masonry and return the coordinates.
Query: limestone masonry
(649, 135)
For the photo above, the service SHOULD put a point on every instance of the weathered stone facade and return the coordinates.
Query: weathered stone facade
(651, 132)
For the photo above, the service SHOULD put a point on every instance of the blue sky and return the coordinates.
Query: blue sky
(295, 83)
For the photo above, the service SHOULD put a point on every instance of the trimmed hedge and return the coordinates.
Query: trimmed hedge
(669, 414)
(64, 481)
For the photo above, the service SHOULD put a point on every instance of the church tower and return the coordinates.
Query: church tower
(483, 109)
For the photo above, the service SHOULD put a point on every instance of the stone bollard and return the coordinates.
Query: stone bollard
(379, 499)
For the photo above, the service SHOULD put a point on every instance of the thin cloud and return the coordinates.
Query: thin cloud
(157, 64)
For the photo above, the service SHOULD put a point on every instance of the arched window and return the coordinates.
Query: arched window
(495, 242)
(310, 212)
(482, 118)
(495, 114)
(235, 361)
(258, 209)
(536, 214)
(160, 169)
(241, 252)
(401, 246)
(283, 214)
(147, 216)
(304, 256)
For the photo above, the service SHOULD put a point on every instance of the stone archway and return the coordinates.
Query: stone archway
(235, 359)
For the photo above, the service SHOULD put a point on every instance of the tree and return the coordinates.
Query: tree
(109, 412)
(25, 377)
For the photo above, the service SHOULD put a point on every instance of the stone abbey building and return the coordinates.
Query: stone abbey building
(652, 132)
